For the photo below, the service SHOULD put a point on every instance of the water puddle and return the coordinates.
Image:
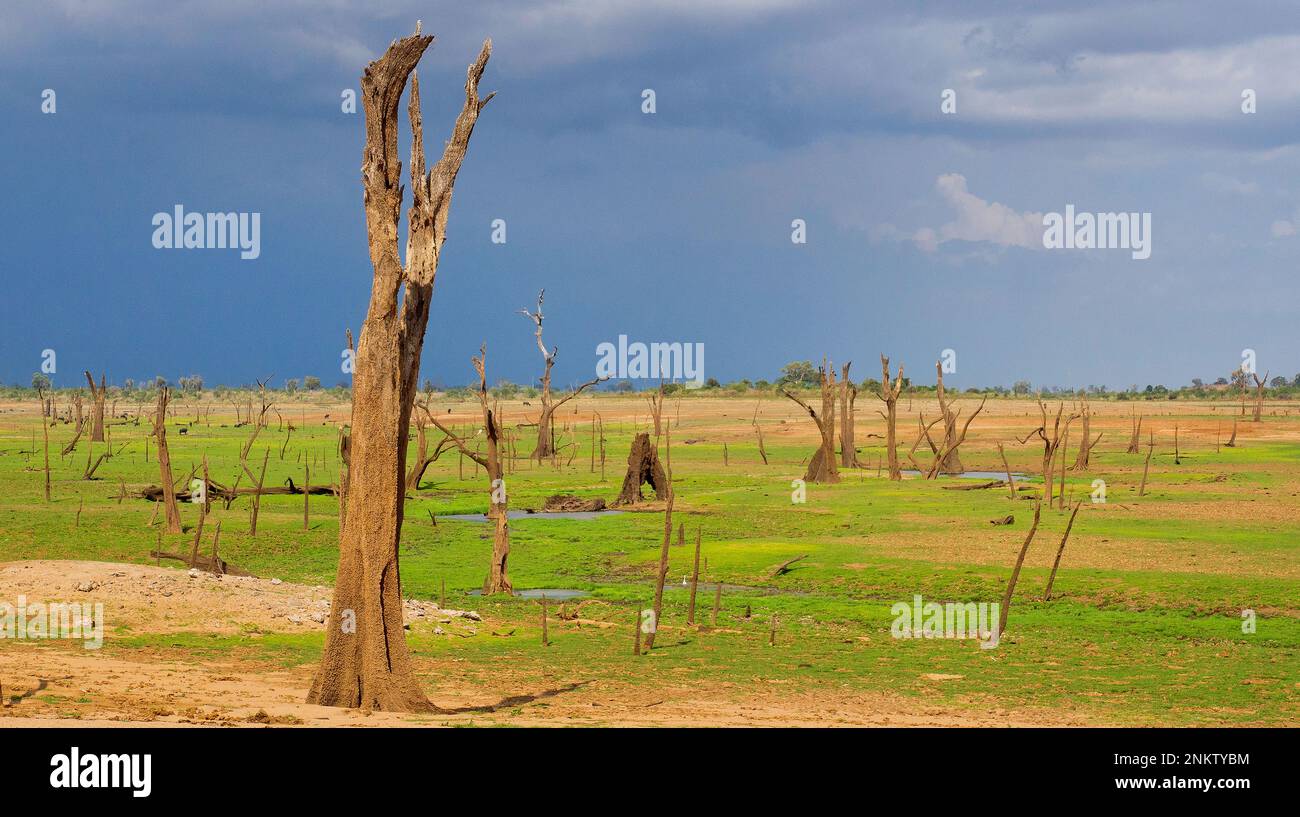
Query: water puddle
(482, 517)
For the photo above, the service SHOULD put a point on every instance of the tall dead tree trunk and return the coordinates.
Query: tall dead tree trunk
(951, 460)
(1052, 440)
(366, 662)
(889, 394)
(1259, 395)
(822, 467)
(497, 579)
(165, 462)
(546, 424)
(1135, 437)
(848, 396)
(97, 396)
(1086, 444)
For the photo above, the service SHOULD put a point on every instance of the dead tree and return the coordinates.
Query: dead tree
(1087, 443)
(822, 467)
(1051, 444)
(662, 574)
(1047, 594)
(97, 396)
(1232, 441)
(1135, 435)
(366, 662)
(1259, 394)
(165, 462)
(889, 395)
(423, 459)
(951, 459)
(1011, 482)
(546, 424)
(1146, 466)
(945, 451)
(1015, 572)
(45, 433)
(848, 396)
(758, 432)
(497, 580)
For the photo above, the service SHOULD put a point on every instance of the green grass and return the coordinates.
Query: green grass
(1121, 644)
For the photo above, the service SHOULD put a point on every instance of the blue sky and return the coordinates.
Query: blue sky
(673, 226)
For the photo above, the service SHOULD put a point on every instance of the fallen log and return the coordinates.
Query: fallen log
(208, 563)
(784, 567)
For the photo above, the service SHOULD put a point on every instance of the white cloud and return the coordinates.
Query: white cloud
(979, 220)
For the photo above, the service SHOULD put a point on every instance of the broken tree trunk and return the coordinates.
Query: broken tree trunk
(822, 467)
(642, 467)
(366, 662)
(165, 462)
(848, 396)
(1086, 444)
(97, 396)
(1259, 395)
(950, 461)
(889, 395)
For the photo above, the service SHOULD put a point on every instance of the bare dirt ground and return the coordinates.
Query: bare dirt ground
(60, 683)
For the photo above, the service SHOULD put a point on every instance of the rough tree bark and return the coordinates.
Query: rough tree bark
(97, 396)
(889, 394)
(642, 467)
(366, 662)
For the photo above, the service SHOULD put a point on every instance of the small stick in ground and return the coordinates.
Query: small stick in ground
(546, 638)
(717, 603)
(695, 579)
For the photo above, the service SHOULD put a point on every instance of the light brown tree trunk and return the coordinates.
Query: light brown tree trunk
(366, 662)
(97, 396)
(889, 394)
(165, 462)
(951, 463)
(695, 579)
(822, 467)
(848, 396)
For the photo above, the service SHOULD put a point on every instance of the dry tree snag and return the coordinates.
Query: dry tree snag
(1051, 444)
(662, 573)
(1086, 445)
(497, 580)
(1135, 437)
(165, 462)
(366, 662)
(950, 462)
(762, 450)
(546, 423)
(1015, 572)
(1011, 483)
(97, 396)
(423, 459)
(1231, 443)
(45, 432)
(848, 396)
(642, 467)
(889, 395)
(1047, 594)
(1259, 394)
(952, 439)
(822, 467)
(1146, 466)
